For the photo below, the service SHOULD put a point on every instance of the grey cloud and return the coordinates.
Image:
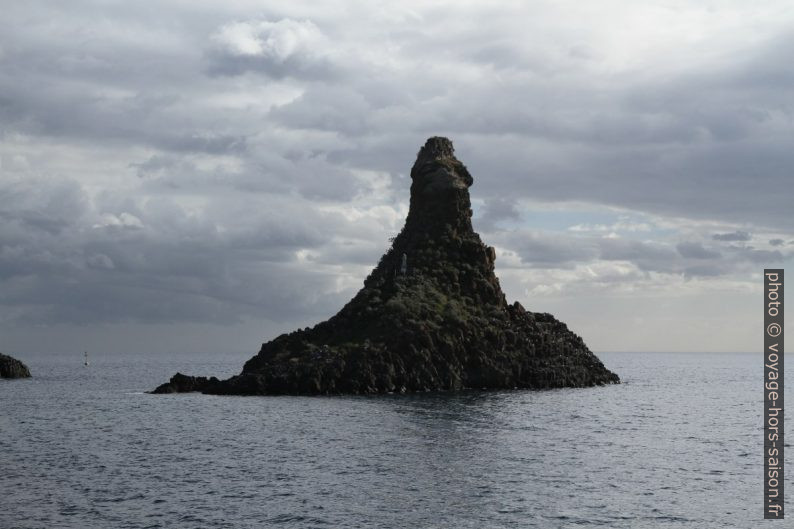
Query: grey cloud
(695, 250)
(310, 175)
(209, 143)
(244, 143)
(776, 242)
(734, 236)
(362, 253)
(155, 164)
(686, 258)
(549, 130)
(647, 256)
(495, 210)
(159, 263)
(326, 108)
(88, 115)
(40, 204)
(222, 64)
(631, 250)
(761, 256)
(637, 146)
(703, 271)
(279, 49)
(551, 249)
(542, 249)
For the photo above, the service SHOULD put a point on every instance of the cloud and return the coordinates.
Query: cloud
(560, 249)
(159, 261)
(496, 210)
(249, 162)
(696, 250)
(326, 108)
(278, 41)
(734, 236)
(573, 249)
(545, 249)
(761, 256)
(282, 48)
(621, 225)
(35, 205)
(651, 256)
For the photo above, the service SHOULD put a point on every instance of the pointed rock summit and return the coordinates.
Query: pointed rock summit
(431, 316)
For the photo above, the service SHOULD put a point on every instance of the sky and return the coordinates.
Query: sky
(193, 176)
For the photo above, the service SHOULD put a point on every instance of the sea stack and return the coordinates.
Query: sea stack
(12, 368)
(431, 316)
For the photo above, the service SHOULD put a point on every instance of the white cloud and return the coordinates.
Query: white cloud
(624, 224)
(282, 48)
(278, 40)
(123, 220)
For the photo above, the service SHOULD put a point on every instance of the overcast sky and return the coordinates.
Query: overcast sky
(201, 176)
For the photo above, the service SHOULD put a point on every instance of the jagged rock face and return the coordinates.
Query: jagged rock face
(430, 316)
(12, 368)
(439, 189)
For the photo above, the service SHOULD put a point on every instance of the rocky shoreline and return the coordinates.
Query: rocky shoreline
(431, 316)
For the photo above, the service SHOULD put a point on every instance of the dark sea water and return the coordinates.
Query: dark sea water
(677, 445)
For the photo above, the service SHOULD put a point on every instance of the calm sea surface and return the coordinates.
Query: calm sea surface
(677, 445)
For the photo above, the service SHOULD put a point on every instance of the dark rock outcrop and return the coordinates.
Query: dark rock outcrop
(12, 368)
(180, 383)
(431, 316)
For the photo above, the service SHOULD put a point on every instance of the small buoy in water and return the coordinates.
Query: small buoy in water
(86, 359)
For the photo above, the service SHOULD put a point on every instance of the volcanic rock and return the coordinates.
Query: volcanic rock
(431, 316)
(12, 368)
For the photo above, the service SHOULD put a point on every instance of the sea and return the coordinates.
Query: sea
(677, 444)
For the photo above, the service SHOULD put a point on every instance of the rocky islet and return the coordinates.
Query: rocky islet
(10, 367)
(430, 316)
